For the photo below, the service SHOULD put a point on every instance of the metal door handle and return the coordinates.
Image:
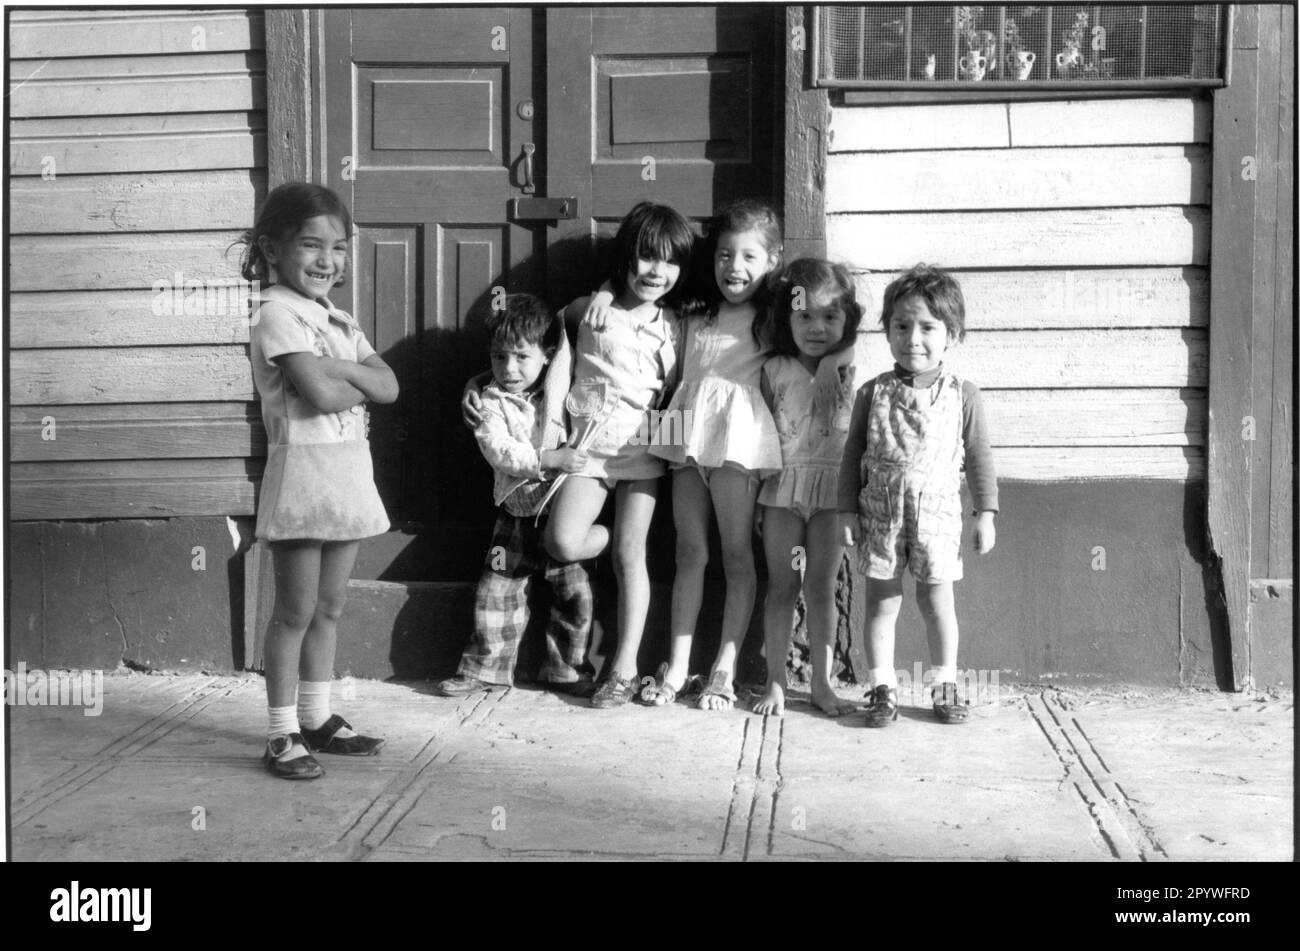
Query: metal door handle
(528, 186)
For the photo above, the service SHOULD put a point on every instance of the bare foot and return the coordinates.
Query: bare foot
(772, 703)
(718, 695)
(823, 697)
(674, 680)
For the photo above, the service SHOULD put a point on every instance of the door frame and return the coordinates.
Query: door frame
(290, 85)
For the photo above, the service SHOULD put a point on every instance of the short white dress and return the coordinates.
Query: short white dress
(319, 480)
(717, 417)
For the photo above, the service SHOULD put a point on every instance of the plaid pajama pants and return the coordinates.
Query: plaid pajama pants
(515, 559)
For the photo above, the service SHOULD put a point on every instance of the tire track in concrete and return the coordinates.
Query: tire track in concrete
(1126, 836)
(752, 815)
(386, 811)
(142, 737)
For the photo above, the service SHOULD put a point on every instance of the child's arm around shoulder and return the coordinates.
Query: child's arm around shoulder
(980, 476)
(573, 312)
(765, 387)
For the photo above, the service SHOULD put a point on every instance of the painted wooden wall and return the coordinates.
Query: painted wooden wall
(131, 175)
(1080, 232)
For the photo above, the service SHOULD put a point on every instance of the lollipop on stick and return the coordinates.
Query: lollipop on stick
(585, 402)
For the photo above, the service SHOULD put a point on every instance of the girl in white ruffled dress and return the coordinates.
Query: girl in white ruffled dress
(720, 442)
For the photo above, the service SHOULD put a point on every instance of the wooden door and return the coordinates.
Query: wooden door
(424, 114)
(424, 129)
(670, 104)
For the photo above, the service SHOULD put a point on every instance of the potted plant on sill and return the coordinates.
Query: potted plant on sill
(1020, 61)
(1069, 61)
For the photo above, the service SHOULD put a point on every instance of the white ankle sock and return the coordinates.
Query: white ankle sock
(313, 703)
(942, 675)
(283, 721)
(314, 706)
(883, 676)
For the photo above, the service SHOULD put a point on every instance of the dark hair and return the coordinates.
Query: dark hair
(746, 214)
(796, 284)
(282, 216)
(939, 290)
(654, 233)
(525, 319)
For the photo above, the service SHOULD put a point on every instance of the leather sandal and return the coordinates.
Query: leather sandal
(947, 707)
(614, 691)
(325, 739)
(882, 705)
(718, 687)
(658, 687)
(301, 767)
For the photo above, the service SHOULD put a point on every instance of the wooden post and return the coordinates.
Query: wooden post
(807, 112)
(1232, 304)
(288, 97)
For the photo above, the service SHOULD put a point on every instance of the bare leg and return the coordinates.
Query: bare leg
(321, 640)
(571, 533)
(884, 598)
(940, 614)
(634, 506)
(825, 553)
(782, 532)
(692, 507)
(297, 583)
(733, 494)
(316, 663)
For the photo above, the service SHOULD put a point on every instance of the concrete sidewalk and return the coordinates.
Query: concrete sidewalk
(171, 771)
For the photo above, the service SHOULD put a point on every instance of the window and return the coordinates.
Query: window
(1019, 46)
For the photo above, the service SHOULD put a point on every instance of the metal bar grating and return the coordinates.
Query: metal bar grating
(1124, 44)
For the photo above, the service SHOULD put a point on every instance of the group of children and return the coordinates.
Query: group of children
(710, 359)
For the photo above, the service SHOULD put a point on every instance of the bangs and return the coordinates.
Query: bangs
(665, 239)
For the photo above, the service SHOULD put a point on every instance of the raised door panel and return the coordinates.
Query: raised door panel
(423, 137)
(668, 104)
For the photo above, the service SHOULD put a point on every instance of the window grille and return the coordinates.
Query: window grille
(1019, 45)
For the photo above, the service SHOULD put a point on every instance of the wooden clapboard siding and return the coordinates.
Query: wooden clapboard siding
(1109, 122)
(129, 375)
(1025, 178)
(1086, 359)
(1041, 464)
(1100, 237)
(196, 82)
(184, 201)
(119, 261)
(1116, 417)
(155, 488)
(77, 145)
(137, 156)
(1102, 297)
(60, 34)
(1080, 232)
(55, 433)
(131, 318)
(1020, 125)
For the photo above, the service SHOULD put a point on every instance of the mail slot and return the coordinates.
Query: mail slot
(542, 209)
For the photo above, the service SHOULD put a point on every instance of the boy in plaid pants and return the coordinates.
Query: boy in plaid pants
(520, 433)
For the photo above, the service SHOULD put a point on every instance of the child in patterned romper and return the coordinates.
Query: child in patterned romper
(520, 432)
(911, 431)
